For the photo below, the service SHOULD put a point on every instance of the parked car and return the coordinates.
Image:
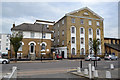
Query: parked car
(110, 57)
(58, 56)
(92, 57)
(4, 61)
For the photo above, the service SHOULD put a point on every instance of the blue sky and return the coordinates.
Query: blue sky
(28, 12)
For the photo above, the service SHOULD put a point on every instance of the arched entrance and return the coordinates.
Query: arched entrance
(32, 47)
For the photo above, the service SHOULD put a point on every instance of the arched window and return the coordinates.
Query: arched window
(73, 51)
(73, 29)
(43, 46)
(90, 31)
(81, 30)
(98, 32)
(82, 51)
(32, 47)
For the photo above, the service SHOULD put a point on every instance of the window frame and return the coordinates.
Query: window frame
(32, 35)
(73, 39)
(73, 20)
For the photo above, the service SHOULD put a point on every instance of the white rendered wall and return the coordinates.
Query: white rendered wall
(73, 45)
(82, 36)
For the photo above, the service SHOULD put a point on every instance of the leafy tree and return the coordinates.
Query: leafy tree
(15, 40)
(95, 48)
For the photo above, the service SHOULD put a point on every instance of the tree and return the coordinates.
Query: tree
(95, 48)
(15, 40)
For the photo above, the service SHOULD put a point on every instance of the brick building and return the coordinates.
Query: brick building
(37, 39)
(74, 31)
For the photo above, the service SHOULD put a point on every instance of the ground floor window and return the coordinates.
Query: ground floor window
(73, 51)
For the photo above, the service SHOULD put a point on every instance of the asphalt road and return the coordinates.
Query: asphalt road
(55, 69)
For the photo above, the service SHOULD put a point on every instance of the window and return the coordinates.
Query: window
(43, 36)
(82, 40)
(7, 40)
(73, 51)
(73, 29)
(98, 24)
(58, 25)
(82, 51)
(85, 13)
(81, 29)
(115, 41)
(43, 46)
(119, 41)
(20, 49)
(90, 22)
(81, 21)
(6, 44)
(63, 32)
(62, 21)
(98, 33)
(58, 33)
(90, 40)
(32, 35)
(0, 36)
(58, 41)
(62, 42)
(73, 20)
(90, 31)
(0, 47)
(111, 41)
(73, 39)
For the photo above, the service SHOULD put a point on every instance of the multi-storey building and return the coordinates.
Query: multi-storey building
(36, 39)
(74, 32)
(112, 46)
(4, 43)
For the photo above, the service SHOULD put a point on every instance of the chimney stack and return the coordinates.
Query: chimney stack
(13, 25)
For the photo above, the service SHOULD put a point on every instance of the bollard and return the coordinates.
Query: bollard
(86, 71)
(81, 64)
(111, 66)
(108, 74)
(95, 73)
(90, 71)
(93, 68)
(78, 70)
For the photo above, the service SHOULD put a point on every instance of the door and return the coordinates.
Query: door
(31, 47)
(62, 54)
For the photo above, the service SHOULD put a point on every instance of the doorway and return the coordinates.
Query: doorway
(62, 54)
(31, 48)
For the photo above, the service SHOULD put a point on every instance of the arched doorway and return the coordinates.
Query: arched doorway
(32, 47)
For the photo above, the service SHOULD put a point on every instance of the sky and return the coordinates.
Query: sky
(28, 12)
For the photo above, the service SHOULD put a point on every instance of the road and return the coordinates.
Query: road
(55, 69)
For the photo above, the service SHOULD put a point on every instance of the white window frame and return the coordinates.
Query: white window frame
(32, 35)
(73, 20)
(81, 21)
(90, 22)
(62, 21)
(63, 42)
(58, 33)
(62, 32)
(98, 23)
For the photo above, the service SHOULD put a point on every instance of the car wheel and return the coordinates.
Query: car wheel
(90, 59)
(4, 62)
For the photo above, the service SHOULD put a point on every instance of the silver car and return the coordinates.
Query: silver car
(4, 61)
(110, 57)
(92, 57)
